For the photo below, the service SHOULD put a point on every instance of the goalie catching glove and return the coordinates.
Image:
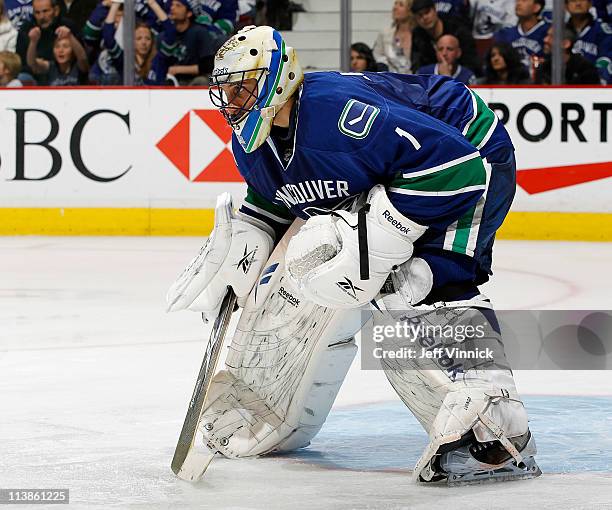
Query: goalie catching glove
(342, 260)
(233, 256)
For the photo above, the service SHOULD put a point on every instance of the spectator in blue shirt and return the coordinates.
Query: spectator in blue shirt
(578, 70)
(603, 8)
(19, 12)
(458, 8)
(194, 43)
(219, 15)
(593, 37)
(527, 37)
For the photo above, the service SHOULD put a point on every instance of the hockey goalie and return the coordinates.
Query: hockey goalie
(370, 197)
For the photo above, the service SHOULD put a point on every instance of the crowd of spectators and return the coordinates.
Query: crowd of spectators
(76, 42)
(503, 42)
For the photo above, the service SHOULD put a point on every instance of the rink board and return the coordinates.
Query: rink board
(143, 161)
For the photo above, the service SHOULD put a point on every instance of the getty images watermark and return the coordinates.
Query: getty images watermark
(427, 340)
(459, 339)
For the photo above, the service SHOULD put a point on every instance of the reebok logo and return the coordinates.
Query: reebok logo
(287, 296)
(396, 223)
(348, 288)
(247, 259)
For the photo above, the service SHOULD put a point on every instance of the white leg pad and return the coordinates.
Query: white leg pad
(449, 404)
(285, 365)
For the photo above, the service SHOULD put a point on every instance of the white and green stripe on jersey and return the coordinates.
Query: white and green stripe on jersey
(481, 125)
(451, 179)
(257, 206)
(461, 236)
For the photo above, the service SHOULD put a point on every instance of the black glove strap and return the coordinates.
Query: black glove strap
(362, 236)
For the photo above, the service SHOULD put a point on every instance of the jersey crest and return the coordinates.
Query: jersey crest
(357, 119)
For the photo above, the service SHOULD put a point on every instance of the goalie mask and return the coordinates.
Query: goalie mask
(254, 76)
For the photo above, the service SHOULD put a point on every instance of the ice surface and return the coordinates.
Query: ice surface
(95, 379)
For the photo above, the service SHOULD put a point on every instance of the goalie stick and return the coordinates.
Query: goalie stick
(190, 462)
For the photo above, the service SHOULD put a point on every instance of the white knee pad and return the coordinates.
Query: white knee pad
(285, 365)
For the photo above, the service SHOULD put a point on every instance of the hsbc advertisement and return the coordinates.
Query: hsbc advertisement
(168, 148)
(136, 148)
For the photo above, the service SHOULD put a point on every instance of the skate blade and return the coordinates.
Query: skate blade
(505, 474)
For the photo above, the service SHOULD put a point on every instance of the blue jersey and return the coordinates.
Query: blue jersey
(18, 11)
(528, 44)
(603, 8)
(218, 16)
(458, 8)
(423, 137)
(462, 74)
(222, 14)
(594, 43)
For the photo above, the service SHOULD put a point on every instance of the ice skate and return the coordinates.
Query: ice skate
(472, 462)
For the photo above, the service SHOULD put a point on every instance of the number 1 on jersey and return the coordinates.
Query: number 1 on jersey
(409, 137)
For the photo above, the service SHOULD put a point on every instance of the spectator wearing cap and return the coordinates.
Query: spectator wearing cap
(593, 37)
(527, 36)
(194, 43)
(430, 27)
(578, 70)
(393, 46)
(448, 53)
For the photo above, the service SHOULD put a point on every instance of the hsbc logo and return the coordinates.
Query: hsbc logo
(41, 150)
(199, 147)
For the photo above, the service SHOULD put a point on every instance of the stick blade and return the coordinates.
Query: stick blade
(194, 465)
(190, 460)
